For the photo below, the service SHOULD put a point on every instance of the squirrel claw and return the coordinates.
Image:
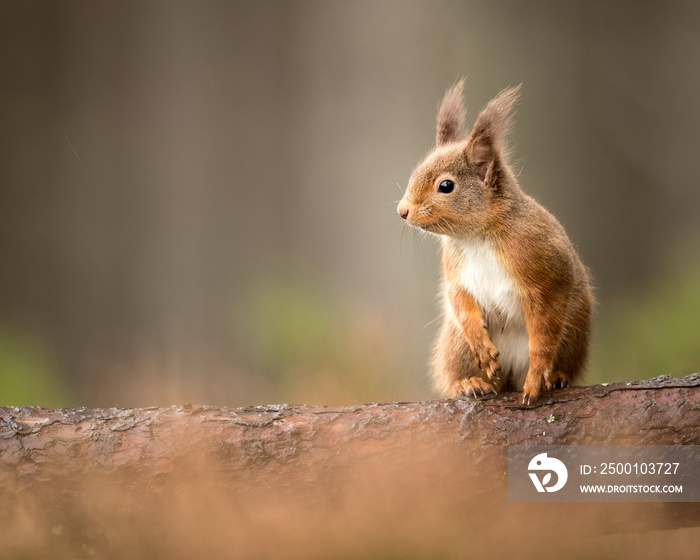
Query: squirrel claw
(534, 383)
(473, 387)
(556, 380)
(530, 396)
(530, 399)
(487, 359)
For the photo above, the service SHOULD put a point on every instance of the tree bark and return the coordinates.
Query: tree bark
(264, 441)
(452, 453)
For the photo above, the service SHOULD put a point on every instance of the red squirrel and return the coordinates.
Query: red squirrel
(517, 298)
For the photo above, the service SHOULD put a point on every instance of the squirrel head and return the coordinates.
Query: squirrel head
(458, 189)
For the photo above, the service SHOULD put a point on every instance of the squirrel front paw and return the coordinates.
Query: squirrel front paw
(487, 358)
(532, 387)
(536, 382)
(474, 387)
(556, 380)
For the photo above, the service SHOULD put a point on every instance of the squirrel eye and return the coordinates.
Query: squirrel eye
(446, 186)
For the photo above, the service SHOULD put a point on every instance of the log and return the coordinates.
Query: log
(303, 473)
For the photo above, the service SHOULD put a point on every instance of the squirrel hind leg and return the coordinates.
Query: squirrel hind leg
(455, 370)
(474, 387)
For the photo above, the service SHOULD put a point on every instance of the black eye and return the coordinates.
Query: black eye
(446, 186)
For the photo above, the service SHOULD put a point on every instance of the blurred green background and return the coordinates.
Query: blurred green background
(197, 199)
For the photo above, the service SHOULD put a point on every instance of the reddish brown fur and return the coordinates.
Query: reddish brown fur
(529, 243)
(450, 120)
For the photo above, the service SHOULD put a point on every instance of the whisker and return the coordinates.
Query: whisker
(417, 245)
(433, 321)
(448, 224)
(441, 218)
(401, 239)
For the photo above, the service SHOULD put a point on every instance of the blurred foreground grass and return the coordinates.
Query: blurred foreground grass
(372, 508)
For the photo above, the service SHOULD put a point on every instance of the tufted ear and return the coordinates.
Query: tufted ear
(486, 147)
(451, 115)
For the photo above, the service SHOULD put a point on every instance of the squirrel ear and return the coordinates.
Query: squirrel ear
(481, 153)
(486, 147)
(451, 115)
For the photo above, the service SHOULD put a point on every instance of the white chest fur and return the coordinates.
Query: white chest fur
(486, 279)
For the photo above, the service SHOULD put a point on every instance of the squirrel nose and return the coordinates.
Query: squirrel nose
(403, 210)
